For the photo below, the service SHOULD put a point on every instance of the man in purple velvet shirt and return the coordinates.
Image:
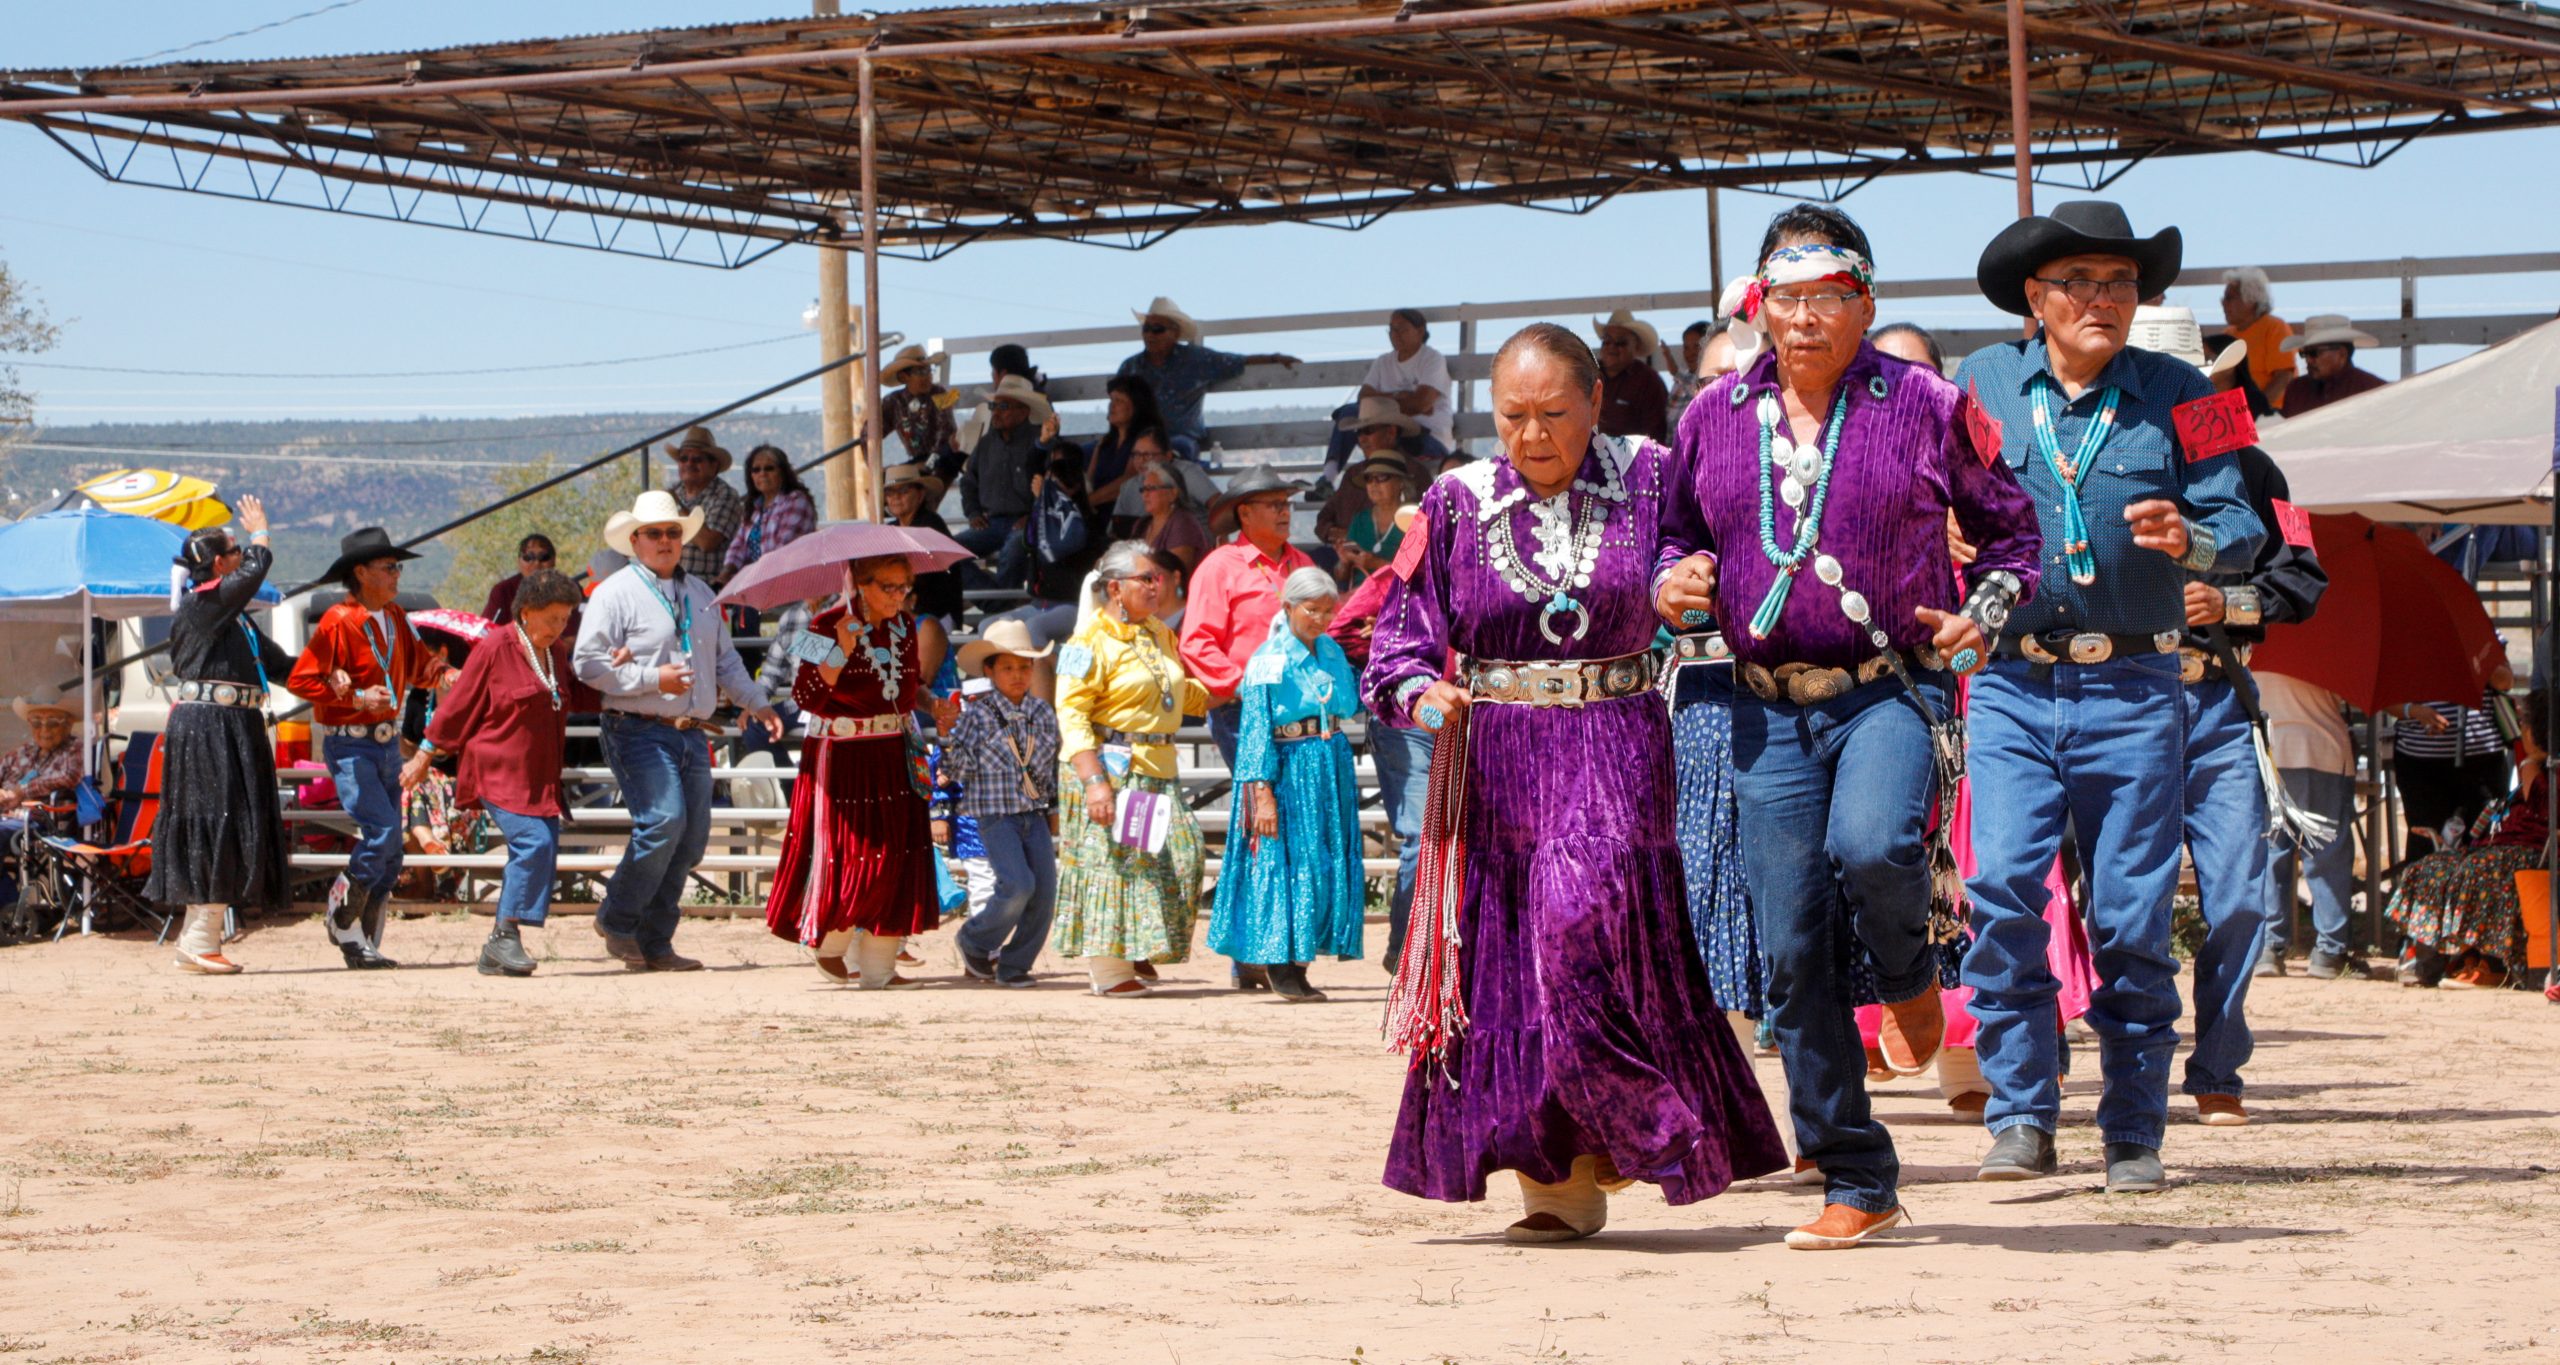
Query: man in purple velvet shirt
(1807, 514)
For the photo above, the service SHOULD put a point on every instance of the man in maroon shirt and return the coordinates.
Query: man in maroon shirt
(1633, 399)
(2327, 346)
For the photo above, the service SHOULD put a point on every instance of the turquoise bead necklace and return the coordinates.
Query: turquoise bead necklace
(2074, 471)
(1809, 526)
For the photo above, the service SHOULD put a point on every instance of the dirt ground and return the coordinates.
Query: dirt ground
(749, 1164)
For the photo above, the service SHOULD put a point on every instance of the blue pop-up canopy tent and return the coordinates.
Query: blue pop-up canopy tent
(84, 565)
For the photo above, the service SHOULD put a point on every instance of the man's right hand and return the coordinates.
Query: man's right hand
(1690, 586)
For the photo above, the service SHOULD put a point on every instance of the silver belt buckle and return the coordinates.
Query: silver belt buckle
(2166, 641)
(1559, 688)
(2090, 647)
(2034, 651)
(2191, 665)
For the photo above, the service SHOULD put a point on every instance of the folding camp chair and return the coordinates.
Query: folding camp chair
(91, 876)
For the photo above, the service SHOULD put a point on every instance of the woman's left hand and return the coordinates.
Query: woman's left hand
(414, 771)
(1266, 814)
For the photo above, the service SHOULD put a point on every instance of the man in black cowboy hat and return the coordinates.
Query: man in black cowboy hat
(2075, 721)
(356, 673)
(1236, 590)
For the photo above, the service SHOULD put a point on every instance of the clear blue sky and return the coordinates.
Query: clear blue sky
(151, 278)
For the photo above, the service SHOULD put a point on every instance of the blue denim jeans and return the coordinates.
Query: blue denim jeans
(1223, 721)
(2102, 745)
(1404, 782)
(1016, 919)
(367, 775)
(2330, 868)
(665, 774)
(533, 855)
(2227, 838)
(1003, 538)
(1834, 802)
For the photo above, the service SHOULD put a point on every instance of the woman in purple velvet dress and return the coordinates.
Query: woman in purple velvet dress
(1590, 1053)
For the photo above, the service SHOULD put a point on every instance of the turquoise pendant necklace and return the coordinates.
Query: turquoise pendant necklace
(2072, 472)
(1808, 527)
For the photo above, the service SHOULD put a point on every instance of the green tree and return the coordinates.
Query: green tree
(24, 330)
(572, 514)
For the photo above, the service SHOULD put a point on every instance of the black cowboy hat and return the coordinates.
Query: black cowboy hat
(1254, 482)
(2082, 227)
(362, 547)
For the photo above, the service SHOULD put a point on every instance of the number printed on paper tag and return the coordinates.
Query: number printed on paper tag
(2216, 425)
(1981, 426)
(2292, 523)
(1409, 554)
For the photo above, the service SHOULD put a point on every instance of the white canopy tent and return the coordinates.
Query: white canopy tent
(2471, 441)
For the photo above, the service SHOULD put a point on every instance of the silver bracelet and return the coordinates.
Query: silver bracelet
(2202, 547)
(2241, 606)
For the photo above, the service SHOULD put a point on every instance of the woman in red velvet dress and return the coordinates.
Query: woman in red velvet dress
(856, 873)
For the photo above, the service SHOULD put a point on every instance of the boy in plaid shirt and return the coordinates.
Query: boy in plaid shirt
(1003, 754)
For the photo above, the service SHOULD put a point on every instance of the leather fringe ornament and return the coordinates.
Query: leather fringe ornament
(1427, 1005)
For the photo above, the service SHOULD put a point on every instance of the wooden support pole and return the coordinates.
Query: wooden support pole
(835, 342)
(1715, 242)
(867, 493)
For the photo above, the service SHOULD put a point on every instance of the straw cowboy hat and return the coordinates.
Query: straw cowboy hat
(1013, 388)
(907, 358)
(1004, 637)
(2082, 227)
(1184, 329)
(1391, 461)
(2329, 329)
(56, 700)
(899, 475)
(1648, 340)
(699, 438)
(362, 547)
(2169, 331)
(657, 507)
(1380, 411)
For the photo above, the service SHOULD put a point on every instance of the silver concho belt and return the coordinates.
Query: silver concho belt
(223, 694)
(1569, 682)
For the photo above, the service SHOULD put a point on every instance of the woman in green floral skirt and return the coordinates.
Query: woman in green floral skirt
(1121, 695)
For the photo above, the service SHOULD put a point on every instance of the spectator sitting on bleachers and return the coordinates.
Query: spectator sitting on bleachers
(1633, 400)
(1379, 424)
(779, 511)
(919, 410)
(1008, 359)
(1172, 526)
(2328, 346)
(995, 485)
(1416, 379)
(1148, 447)
(1181, 370)
(534, 554)
(912, 497)
(700, 461)
(2248, 311)
(34, 774)
(1131, 410)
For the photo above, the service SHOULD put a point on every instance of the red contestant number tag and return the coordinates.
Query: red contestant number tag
(1981, 426)
(2292, 523)
(2215, 426)
(1409, 553)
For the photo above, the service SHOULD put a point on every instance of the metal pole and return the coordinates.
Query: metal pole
(835, 341)
(2019, 132)
(867, 489)
(2376, 857)
(2409, 316)
(88, 682)
(1715, 241)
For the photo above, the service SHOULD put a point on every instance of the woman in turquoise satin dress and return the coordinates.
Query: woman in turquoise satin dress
(1291, 890)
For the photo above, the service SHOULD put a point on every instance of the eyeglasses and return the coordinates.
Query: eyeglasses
(1827, 305)
(1150, 576)
(1156, 488)
(694, 459)
(906, 589)
(658, 533)
(537, 558)
(2085, 292)
(1155, 329)
(773, 469)
(1384, 478)
(394, 568)
(2324, 348)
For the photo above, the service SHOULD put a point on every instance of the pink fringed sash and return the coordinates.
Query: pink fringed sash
(1427, 1006)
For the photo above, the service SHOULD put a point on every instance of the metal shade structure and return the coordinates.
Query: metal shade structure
(1120, 123)
(2471, 441)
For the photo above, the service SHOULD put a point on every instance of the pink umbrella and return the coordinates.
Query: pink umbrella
(460, 624)
(813, 565)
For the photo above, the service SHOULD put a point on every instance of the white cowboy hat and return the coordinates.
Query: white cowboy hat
(1184, 329)
(907, 358)
(1648, 340)
(2169, 331)
(1004, 637)
(2232, 357)
(2329, 329)
(657, 507)
(53, 699)
(1014, 388)
(1380, 411)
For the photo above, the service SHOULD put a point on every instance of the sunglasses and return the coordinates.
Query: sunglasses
(1155, 329)
(658, 533)
(537, 558)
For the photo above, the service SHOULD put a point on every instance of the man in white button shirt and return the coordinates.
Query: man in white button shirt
(654, 645)
(1417, 378)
